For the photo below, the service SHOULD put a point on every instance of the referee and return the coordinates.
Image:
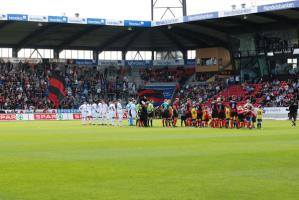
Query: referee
(293, 109)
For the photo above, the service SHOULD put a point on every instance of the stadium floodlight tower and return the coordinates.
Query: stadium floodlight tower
(169, 9)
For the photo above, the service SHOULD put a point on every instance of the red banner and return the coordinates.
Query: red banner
(8, 117)
(45, 117)
(76, 116)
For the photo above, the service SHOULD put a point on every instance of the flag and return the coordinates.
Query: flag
(56, 88)
(156, 95)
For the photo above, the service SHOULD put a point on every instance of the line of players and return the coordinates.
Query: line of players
(102, 113)
(217, 115)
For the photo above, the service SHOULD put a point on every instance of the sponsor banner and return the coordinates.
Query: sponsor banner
(168, 21)
(191, 62)
(137, 23)
(44, 116)
(3, 17)
(168, 62)
(204, 16)
(17, 17)
(57, 19)
(76, 20)
(23, 60)
(22, 117)
(68, 111)
(111, 63)
(81, 62)
(276, 113)
(142, 63)
(76, 116)
(114, 22)
(96, 21)
(278, 6)
(8, 117)
(243, 11)
(57, 60)
(37, 18)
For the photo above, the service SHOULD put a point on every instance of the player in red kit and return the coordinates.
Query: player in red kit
(188, 112)
(175, 107)
(199, 110)
(234, 112)
(221, 113)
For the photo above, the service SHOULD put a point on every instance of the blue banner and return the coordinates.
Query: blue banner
(85, 62)
(17, 17)
(137, 23)
(204, 16)
(142, 63)
(57, 19)
(190, 62)
(278, 6)
(168, 90)
(96, 21)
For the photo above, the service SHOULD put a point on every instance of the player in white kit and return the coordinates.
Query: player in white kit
(105, 112)
(119, 111)
(83, 110)
(130, 117)
(100, 112)
(112, 113)
(89, 113)
(94, 112)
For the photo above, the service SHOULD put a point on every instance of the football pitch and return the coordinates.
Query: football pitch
(63, 160)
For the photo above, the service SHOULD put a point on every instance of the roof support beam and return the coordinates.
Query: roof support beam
(173, 39)
(34, 34)
(113, 40)
(5, 23)
(133, 38)
(203, 37)
(191, 38)
(213, 27)
(76, 36)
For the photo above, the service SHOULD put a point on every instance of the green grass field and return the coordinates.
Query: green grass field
(66, 161)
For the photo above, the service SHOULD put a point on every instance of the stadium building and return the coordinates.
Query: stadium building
(115, 58)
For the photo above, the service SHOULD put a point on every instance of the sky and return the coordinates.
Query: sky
(118, 9)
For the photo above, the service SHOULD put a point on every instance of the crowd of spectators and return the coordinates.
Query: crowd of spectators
(25, 86)
(279, 93)
(203, 91)
(164, 74)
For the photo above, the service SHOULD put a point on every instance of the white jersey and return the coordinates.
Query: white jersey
(94, 109)
(100, 109)
(133, 110)
(111, 107)
(83, 110)
(89, 110)
(112, 110)
(105, 108)
(119, 107)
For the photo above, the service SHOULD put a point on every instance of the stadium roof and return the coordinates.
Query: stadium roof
(189, 32)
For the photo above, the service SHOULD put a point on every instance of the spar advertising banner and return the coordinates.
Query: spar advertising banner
(8, 117)
(44, 116)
